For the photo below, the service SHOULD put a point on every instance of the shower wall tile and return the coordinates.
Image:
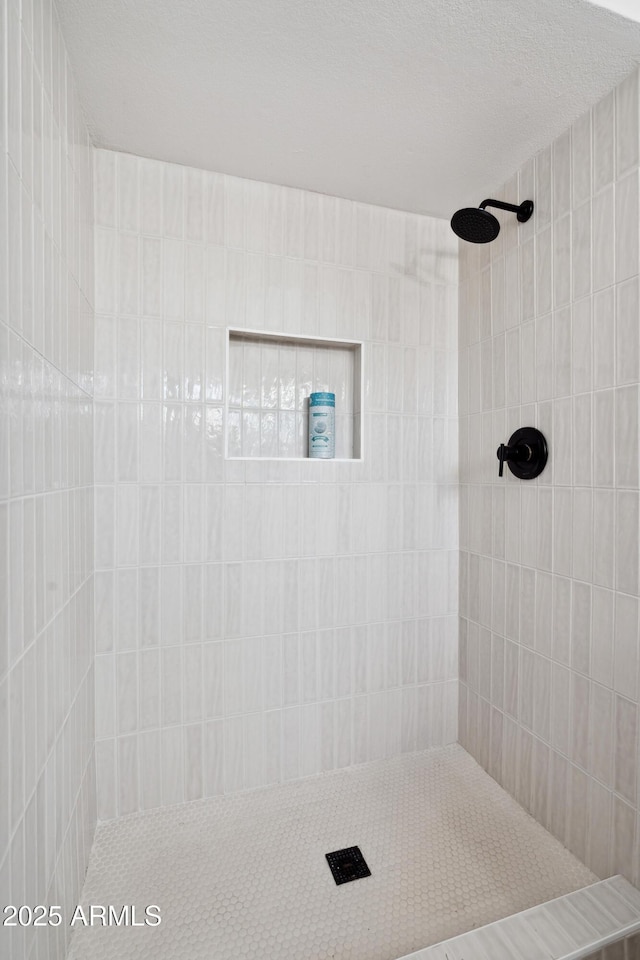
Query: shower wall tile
(47, 780)
(263, 620)
(563, 624)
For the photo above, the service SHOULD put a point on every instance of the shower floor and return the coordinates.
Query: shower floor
(245, 877)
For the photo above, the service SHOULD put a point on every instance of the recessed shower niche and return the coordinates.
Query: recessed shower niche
(269, 379)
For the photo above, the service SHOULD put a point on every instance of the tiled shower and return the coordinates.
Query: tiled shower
(47, 655)
(549, 570)
(190, 608)
(256, 619)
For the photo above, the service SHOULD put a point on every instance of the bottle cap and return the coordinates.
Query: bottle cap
(322, 399)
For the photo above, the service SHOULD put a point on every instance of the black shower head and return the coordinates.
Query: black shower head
(477, 225)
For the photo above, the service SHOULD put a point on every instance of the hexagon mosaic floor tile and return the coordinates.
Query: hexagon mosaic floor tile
(245, 877)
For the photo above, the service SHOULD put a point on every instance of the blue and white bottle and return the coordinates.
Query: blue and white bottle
(322, 416)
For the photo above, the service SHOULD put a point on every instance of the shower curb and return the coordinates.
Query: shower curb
(570, 927)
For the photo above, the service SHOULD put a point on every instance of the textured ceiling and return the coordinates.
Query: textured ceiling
(423, 105)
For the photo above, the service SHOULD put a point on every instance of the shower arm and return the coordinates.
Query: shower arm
(514, 208)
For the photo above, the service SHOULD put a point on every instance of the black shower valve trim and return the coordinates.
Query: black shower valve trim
(526, 453)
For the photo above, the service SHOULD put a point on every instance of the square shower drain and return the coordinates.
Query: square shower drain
(347, 864)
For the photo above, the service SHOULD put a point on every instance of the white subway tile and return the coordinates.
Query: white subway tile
(581, 251)
(627, 519)
(543, 187)
(603, 536)
(151, 277)
(627, 137)
(626, 230)
(625, 661)
(627, 336)
(150, 173)
(561, 167)
(562, 260)
(604, 141)
(581, 159)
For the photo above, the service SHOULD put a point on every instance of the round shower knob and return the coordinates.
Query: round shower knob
(526, 453)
